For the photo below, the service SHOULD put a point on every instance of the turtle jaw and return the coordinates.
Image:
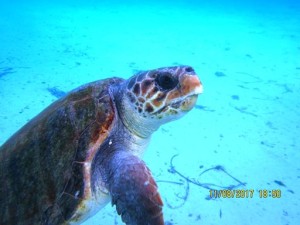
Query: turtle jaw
(186, 103)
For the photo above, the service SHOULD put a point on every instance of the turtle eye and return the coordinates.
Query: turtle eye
(166, 80)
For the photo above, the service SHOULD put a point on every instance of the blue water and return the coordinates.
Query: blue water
(244, 132)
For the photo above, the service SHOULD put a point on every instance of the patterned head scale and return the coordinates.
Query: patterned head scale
(164, 93)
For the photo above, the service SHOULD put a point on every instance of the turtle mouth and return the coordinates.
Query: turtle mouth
(189, 102)
(186, 103)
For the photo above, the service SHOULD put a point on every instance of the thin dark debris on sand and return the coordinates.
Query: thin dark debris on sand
(192, 181)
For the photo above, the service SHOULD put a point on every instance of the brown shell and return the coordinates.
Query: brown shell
(42, 174)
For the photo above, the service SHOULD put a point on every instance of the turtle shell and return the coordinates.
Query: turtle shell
(46, 164)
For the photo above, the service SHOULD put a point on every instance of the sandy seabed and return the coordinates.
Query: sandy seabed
(242, 135)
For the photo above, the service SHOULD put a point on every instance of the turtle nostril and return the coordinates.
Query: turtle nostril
(189, 69)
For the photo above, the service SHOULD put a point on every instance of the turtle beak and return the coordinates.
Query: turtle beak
(190, 85)
(185, 95)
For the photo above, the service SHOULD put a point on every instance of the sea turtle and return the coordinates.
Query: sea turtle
(85, 149)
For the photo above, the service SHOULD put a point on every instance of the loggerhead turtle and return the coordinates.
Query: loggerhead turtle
(84, 150)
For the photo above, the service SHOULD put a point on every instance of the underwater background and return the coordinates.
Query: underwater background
(243, 134)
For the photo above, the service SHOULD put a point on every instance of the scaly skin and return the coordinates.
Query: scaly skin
(144, 102)
(85, 149)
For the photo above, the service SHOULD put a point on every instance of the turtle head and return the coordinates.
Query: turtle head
(154, 97)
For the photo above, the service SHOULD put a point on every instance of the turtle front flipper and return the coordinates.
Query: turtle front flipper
(133, 190)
